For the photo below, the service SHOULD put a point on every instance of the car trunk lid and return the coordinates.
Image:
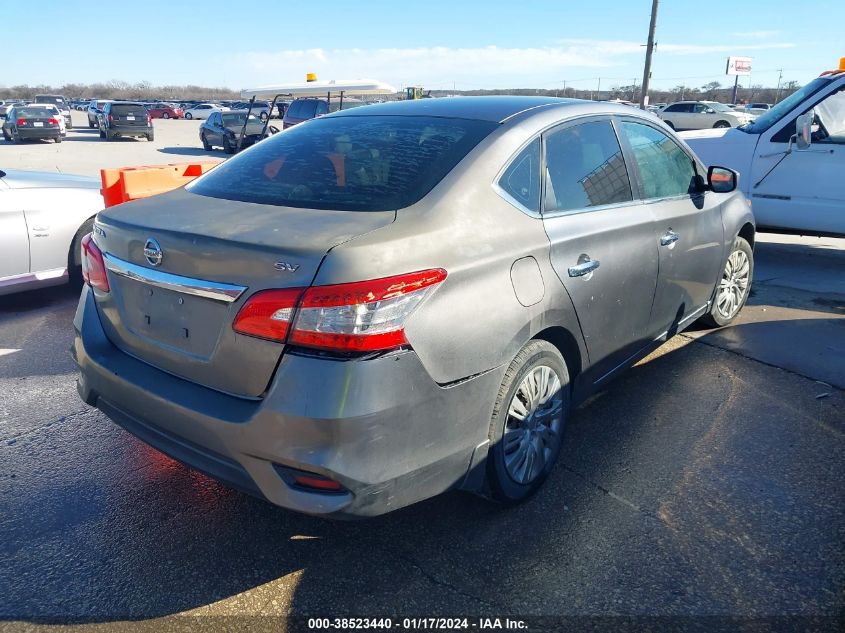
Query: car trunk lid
(177, 314)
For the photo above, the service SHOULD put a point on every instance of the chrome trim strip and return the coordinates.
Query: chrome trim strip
(25, 278)
(186, 285)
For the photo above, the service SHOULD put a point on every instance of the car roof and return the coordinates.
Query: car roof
(491, 108)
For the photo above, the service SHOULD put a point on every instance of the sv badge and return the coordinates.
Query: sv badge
(286, 267)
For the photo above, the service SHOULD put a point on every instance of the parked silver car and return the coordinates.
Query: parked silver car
(389, 302)
(43, 218)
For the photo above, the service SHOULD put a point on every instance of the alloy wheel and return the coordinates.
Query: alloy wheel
(534, 424)
(734, 284)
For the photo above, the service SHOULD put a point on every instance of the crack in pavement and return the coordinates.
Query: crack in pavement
(48, 423)
(757, 360)
(432, 578)
(626, 502)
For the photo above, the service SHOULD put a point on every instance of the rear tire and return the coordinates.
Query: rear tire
(151, 137)
(74, 257)
(59, 139)
(189, 116)
(524, 451)
(734, 285)
(165, 115)
(670, 124)
(6, 135)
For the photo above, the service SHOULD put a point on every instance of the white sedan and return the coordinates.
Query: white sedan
(204, 110)
(699, 115)
(43, 218)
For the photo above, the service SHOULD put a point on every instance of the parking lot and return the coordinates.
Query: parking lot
(706, 485)
(83, 152)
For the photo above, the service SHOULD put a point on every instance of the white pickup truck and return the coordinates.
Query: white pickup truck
(791, 159)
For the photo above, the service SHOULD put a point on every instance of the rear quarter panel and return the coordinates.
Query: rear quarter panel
(53, 218)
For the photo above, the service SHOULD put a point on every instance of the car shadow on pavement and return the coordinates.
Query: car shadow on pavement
(698, 482)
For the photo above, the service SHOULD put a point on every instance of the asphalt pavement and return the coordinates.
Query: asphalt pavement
(705, 486)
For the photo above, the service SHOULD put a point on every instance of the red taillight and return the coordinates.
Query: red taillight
(364, 316)
(110, 118)
(268, 314)
(20, 122)
(93, 266)
(149, 120)
(53, 121)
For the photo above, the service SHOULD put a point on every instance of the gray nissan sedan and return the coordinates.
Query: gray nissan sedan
(388, 302)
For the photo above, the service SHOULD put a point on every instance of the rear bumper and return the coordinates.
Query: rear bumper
(380, 427)
(126, 130)
(35, 133)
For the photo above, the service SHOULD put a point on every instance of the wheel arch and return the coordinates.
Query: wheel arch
(568, 347)
(747, 232)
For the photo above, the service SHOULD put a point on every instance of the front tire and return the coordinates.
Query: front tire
(734, 285)
(205, 144)
(721, 124)
(227, 146)
(528, 420)
(189, 116)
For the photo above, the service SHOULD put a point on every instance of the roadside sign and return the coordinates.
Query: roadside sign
(738, 66)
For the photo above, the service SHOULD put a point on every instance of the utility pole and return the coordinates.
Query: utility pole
(598, 91)
(780, 76)
(648, 52)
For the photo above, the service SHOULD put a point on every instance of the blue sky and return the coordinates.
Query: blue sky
(440, 44)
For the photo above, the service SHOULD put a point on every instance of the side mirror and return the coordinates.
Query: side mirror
(804, 130)
(722, 179)
(709, 111)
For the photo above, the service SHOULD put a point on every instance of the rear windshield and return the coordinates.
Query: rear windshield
(34, 112)
(356, 163)
(49, 99)
(129, 110)
(237, 118)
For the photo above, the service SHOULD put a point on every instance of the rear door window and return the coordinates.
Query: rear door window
(354, 163)
(585, 168)
(665, 169)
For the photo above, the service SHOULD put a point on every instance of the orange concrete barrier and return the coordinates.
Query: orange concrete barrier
(130, 183)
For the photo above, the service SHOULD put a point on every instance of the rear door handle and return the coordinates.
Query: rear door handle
(585, 266)
(669, 237)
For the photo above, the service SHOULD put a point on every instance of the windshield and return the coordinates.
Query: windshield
(354, 163)
(776, 113)
(49, 99)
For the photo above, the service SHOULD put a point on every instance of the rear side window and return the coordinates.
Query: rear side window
(678, 107)
(585, 168)
(521, 180)
(322, 108)
(347, 163)
(665, 169)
